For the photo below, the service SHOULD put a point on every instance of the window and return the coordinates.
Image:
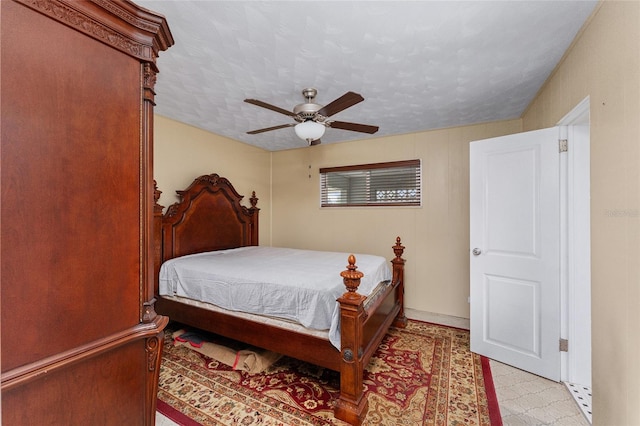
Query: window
(381, 184)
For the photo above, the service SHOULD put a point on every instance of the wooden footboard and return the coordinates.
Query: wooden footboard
(363, 323)
(210, 217)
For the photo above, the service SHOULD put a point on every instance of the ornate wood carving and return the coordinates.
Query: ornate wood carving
(149, 82)
(153, 347)
(253, 199)
(351, 277)
(81, 16)
(210, 212)
(157, 208)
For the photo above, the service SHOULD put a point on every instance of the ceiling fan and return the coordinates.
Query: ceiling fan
(312, 119)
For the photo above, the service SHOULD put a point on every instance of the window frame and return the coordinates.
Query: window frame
(415, 201)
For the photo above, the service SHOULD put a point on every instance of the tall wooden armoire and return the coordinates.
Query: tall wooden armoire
(80, 340)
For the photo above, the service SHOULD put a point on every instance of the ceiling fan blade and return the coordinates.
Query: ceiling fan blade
(345, 101)
(268, 129)
(354, 127)
(269, 106)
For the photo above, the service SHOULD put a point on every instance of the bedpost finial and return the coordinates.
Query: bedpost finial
(398, 248)
(156, 191)
(156, 197)
(253, 200)
(351, 276)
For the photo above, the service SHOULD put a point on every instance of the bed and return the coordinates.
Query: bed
(209, 220)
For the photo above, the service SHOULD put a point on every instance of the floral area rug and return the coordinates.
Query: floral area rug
(424, 374)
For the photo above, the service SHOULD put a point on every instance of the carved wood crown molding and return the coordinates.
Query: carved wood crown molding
(125, 16)
(134, 35)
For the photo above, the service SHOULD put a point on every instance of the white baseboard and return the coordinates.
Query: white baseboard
(447, 320)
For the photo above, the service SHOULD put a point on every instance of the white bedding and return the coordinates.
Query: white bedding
(296, 285)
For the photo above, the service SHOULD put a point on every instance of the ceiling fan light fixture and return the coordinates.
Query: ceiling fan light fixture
(310, 130)
(312, 117)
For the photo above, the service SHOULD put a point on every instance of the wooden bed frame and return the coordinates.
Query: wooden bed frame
(209, 217)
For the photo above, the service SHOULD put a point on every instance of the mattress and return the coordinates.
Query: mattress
(291, 284)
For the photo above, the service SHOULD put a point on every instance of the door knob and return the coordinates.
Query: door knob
(476, 251)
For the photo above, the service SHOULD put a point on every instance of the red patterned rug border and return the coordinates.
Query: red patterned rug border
(492, 398)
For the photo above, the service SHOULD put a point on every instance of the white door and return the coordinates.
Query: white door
(515, 250)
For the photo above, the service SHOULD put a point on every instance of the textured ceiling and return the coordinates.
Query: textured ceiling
(419, 65)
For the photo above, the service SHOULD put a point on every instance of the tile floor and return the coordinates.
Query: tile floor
(582, 395)
(524, 398)
(527, 399)
(163, 421)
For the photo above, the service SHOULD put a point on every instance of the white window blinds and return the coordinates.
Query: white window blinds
(395, 183)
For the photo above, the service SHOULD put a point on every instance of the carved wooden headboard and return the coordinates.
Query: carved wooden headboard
(208, 217)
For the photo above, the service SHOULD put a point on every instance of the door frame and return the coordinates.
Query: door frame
(575, 247)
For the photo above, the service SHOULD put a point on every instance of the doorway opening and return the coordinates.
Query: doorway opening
(576, 273)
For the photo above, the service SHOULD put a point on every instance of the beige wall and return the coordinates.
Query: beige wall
(604, 64)
(436, 235)
(183, 152)
(287, 182)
